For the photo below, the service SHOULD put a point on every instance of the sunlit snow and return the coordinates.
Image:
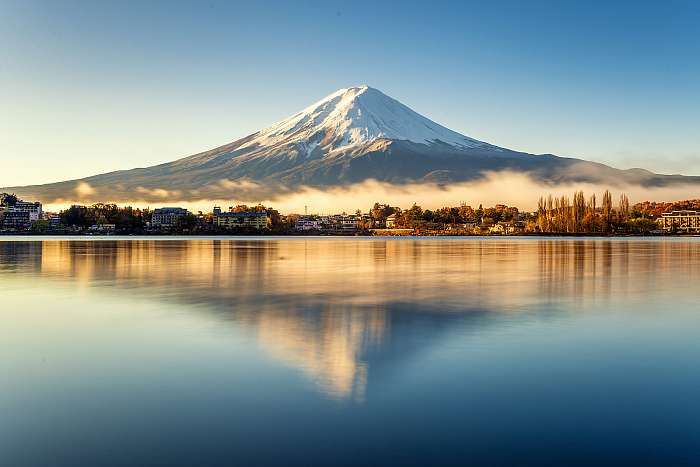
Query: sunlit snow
(356, 116)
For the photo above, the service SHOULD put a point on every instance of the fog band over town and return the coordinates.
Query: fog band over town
(513, 189)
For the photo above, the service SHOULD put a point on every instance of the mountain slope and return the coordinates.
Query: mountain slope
(352, 135)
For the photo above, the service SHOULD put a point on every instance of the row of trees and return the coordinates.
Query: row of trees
(463, 214)
(126, 219)
(656, 208)
(583, 215)
(131, 220)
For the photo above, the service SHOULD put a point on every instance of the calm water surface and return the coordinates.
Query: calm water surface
(301, 352)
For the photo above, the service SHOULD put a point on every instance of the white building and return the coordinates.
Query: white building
(167, 217)
(32, 207)
(250, 219)
(20, 216)
(306, 223)
(681, 221)
(349, 222)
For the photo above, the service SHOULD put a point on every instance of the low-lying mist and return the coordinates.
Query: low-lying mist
(513, 189)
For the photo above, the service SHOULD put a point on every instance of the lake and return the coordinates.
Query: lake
(349, 351)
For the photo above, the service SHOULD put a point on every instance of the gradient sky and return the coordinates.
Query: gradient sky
(90, 87)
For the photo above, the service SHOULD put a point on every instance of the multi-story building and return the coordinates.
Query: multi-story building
(308, 223)
(391, 221)
(167, 217)
(681, 221)
(16, 219)
(234, 220)
(349, 222)
(21, 214)
(331, 223)
(32, 207)
(340, 222)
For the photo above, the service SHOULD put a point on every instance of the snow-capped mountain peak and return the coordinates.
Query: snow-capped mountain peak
(356, 116)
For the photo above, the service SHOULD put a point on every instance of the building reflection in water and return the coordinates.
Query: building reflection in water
(330, 307)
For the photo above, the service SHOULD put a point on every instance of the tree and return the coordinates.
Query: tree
(380, 212)
(541, 215)
(579, 211)
(39, 226)
(466, 213)
(413, 216)
(550, 213)
(7, 199)
(126, 219)
(78, 216)
(563, 214)
(607, 211)
(275, 217)
(624, 208)
(447, 215)
(591, 220)
(186, 222)
(565, 225)
(640, 225)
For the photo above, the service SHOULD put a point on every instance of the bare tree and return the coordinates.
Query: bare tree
(579, 211)
(624, 209)
(550, 213)
(542, 214)
(607, 211)
(592, 215)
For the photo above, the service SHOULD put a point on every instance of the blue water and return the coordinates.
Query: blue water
(293, 351)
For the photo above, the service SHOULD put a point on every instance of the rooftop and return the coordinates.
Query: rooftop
(242, 214)
(684, 212)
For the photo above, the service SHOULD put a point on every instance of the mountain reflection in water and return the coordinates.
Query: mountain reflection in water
(349, 351)
(335, 308)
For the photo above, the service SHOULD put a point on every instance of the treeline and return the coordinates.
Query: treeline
(125, 219)
(584, 215)
(656, 208)
(128, 220)
(417, 217)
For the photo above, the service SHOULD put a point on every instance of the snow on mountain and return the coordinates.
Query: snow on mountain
(355, 116)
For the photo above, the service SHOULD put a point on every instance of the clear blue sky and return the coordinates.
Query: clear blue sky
(89, 87)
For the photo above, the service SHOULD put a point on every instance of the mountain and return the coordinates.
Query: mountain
(352, 135)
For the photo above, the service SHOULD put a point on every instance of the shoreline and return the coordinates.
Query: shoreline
(307, 235)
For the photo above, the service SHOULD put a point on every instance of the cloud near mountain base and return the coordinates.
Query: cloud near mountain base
(514, 189)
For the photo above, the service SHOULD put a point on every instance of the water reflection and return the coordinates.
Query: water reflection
(338, 308)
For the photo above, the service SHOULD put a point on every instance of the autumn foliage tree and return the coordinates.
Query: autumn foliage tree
(607, 211)
(562, 215)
